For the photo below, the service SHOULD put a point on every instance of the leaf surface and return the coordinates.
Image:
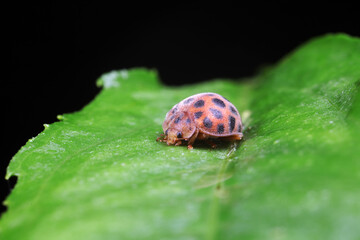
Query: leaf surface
(100, 174)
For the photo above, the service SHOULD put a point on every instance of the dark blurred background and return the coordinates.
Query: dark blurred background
(58, 51)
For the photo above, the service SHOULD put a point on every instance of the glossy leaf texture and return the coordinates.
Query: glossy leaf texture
(100, 174)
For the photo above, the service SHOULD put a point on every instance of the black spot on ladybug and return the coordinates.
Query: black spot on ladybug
(174, 109)
(231, 123)
(233, 110)
(220, 128)
(239, 128)
(198, 114)
(199, 103)
(177, 120)
(207, 122)
(166, 132)
(216, 113)
(172, 117)
(218, 102)
(187, 101)
(179, 135)
(188, 120)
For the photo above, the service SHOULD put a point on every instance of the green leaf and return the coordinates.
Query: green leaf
(100, 174)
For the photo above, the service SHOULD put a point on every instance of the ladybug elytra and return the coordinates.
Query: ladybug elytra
(200, 117)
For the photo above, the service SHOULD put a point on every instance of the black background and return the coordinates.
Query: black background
(59, 50)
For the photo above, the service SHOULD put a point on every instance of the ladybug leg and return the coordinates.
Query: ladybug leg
(178, 143)
(161, 139)
(234, 138)
(211, 143)
(205, 137)
(192, 139)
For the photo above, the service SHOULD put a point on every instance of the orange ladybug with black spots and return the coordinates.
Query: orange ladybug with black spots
(201, 117)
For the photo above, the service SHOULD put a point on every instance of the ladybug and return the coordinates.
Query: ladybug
(200, 117)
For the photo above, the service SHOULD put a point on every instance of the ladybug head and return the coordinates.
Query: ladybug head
(173, 136)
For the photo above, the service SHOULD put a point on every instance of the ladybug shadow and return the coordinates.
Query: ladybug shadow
(215, 145)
